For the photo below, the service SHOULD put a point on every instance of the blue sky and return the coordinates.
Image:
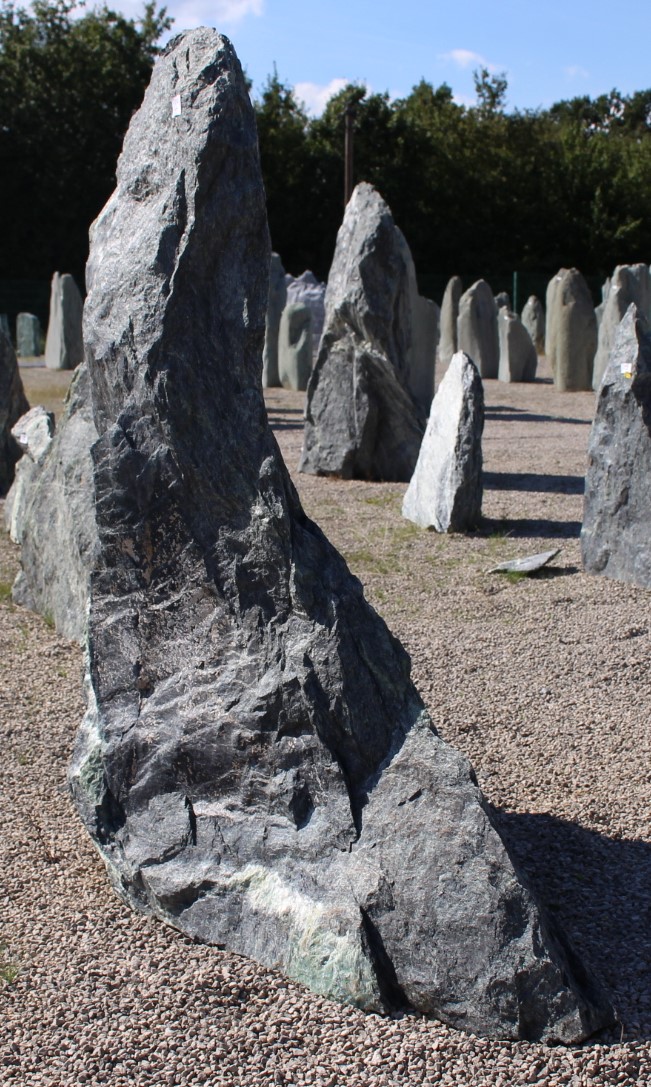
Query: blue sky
(549, 50)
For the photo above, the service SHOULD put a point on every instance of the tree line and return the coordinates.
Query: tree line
(477, 190)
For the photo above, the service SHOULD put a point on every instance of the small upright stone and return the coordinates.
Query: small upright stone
(445, 491)
(477, 328)
(307, 288)
(449, 317)
(518, 357)
(295, 346)
(28, 335)
(570, 331)
(615, 538)
(64, 345)
(630, 284)
(533, 319)
(502, 301)
(13, 404)
(361, 418)
(276, 303)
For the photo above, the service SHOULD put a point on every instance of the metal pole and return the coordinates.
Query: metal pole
(349, 118)
(515, 292)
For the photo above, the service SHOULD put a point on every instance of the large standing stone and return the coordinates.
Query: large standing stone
(13, 404)
(449, 317)
(425, 334)
(64, 346)
(533, 319)
(615, 538)
(570, 331)
(295, 346)
(477, 328)
(307, 288)
(630, 283)
(445, 491)
(518, 357)
(52, 517)
(361, 419)
(276, 303)
(255, 765)
(28, 335)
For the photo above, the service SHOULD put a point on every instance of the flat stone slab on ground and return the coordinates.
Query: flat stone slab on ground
(527, 565)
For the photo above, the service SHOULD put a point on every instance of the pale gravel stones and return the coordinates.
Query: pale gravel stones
(13, 404)
(630, 283)
(615, 534)
(570, 331)
(276, 302)
(255, 765)
(518, 356)
(449, 316)
(361, 419)
(477, 328)
(533, 319)
(445, 491)
(64, 346)
(295, 346)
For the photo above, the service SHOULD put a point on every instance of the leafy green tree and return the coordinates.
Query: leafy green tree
(68, 88)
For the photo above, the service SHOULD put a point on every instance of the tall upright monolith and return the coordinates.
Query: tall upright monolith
(570, 331)
(533, 319)
(630, 284)
(477, 334)
(449, 316)
(615, 538)
(361, 418)
(255, 765)
(276, 302)
(64, 345)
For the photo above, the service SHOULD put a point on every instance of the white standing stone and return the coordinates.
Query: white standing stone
(477, 328)
(295, 346)
(570, 331)
(533, 319)
(64, 345)
(518, 357)
(445, 491)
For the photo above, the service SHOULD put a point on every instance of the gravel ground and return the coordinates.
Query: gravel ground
(543, 682)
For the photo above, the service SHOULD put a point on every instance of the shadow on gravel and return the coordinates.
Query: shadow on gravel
(526, 527)
(599, 890)
(521, 415)
(529, 481)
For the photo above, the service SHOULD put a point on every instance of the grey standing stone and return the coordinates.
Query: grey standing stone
(570, 331)
(449, 317)
(361, 420)
(255, 765)
(445, 491)
(13, 404)
(53, 518)
(426, 317)
(276, 303)
(502, 301)
(33, 432)
(630, 283)
(295, 346)
(64, 346)
(615, 538)
(518, 356)
(28, 335)
(533, 319)
(307, 288)
(477, 328)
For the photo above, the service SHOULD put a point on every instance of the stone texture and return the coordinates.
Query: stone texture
(28, 335)
(445, 491)
(33, 432)
(255, 765)
(477, 328)
(502, 301)
(361, 419)
(570, 331)
(615, 537)
(53, 517)
(295, 346)
(425, 334)
(13, 404)
(449, 316)
(307, 288)
(533, 319)
(630, 283)
(276, 303)
(518, 356)
(64, 346)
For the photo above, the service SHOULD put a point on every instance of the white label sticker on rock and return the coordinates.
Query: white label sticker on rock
(176, 105)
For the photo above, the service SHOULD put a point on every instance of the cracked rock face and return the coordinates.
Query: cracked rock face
(617, 503)
(255, 765)
(362, 419)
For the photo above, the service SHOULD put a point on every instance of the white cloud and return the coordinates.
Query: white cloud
(315, 96)
(464, 58)
(576, 72)
(217, 13)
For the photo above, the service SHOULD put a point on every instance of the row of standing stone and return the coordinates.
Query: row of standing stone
(64, 345)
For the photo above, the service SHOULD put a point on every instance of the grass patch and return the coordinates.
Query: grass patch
(5, 592)
(9, 971)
